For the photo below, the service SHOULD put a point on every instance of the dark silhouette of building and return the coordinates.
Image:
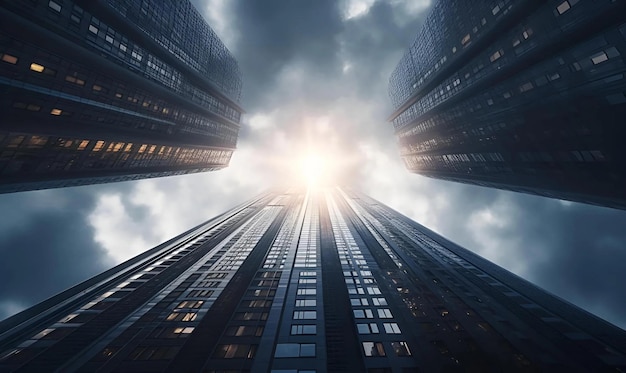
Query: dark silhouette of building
(96, 91)
(326, 280)
(521, 95)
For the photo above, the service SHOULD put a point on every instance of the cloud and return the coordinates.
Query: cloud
(315, 75)
(45, 246)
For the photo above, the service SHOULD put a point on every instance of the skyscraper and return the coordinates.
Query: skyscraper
(327, 280)
(111, 90)
(521, 95)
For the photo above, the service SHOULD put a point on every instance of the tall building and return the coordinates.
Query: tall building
(96, 91)
(327, 280)
(523, 95)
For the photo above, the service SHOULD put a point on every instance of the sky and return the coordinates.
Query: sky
(315, 82)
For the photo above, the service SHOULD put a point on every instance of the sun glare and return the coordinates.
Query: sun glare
(314, 169)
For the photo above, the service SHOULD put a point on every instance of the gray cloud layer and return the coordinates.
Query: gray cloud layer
(312, 73)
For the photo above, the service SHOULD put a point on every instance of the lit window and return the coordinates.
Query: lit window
(384, 313)
(373, 349)
(73, 79)
(93, 29)
(495, 56)
(56, 111)
(235, 351)
(54, 6)
(186, 303)
(244, 331)
(187, 330)
(401, 348)
(9, 59)
(599, 58)
(465, 39)
(36, 67)
(98, 146)
(83, 144)
(563, 7)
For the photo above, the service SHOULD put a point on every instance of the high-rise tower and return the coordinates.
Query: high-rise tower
(96, 91)
(522, 95)
(304, 282)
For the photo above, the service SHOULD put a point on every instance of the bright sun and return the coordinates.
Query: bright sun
(314, 169)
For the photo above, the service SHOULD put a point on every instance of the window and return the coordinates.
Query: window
(385, 313)
(173, 332)
(370, 328)
(303, 329)
(306, 292)
(244, 331)
(98, 146)
(496, 55)
(373, 349)
(359, 302)
(235, 351)
(153, 353)
(391, 328)
(177, 316)
(363, 314)
(307, 281)
(258, 303)
(190, 304)
(9, 59)
(56, 111)
(251, 316)
(295, 350)
(54, 6)
(36, 67)
(198, 293)
(526, 87)
(401, 348)
(305, 315)
(75, 80)
(306, 302)
(563, 7)
(379, 301)
(599, 58)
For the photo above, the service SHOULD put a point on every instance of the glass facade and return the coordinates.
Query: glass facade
(146, 85)
(308, 281)
(518, 95)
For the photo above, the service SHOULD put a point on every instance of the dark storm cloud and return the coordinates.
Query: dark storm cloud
(273, 34)
(46, 245)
